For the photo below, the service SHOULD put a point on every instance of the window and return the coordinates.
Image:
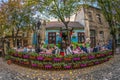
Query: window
(101, 35)
(81, 37)
(90, 16)
(52, 37)
(99, 18)
(92, 38)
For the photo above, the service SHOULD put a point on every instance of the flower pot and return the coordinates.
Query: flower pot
(34, 65)
(90, 64)
(48, 66)
(83, 65)
(40, 58)
(26, 62)
(84, 58)
(9, 62)
(97, 63)
(15, 54)
(102, 55)
(32, 57)
(57, 67)
(67, 67)
(91, 57)
(25, 56)
(98, 55)
(110, 53)
(47, 59)
(76, 59)
(20, 55)
(40, 65)
(57, 59)
(67, 59)
(76, 65)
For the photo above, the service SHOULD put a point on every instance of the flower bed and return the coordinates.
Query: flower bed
(59, 62)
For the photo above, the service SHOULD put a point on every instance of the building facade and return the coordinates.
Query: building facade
(56, 32)
(96, 27)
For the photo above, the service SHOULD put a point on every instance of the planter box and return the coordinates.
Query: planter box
(48, 66)
(47, 59)
(97, 63)
(67, 67)
(110, 53)
(26, 62)
(40, 58)
(15, 54)
(76, 59)
(98, 55)
(83, 65)
(20, 55)
(57, 59)
(84, 58)
(57, 67)
(90, 64)
(91, 57)
(76, 65)
(34, 65)
(32, 57)
(67, 59)
(40, 65)
(25, 56)
(102, 55)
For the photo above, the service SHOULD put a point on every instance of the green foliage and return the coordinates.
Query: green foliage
(7, 57)
(11, 51)
(33, 54)
(58, 55)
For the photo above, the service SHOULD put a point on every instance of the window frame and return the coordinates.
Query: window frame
(50, 34)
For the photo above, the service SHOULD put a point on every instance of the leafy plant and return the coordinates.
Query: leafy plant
(7, 57)
(11, 51)
(68, 56)
(33, 54)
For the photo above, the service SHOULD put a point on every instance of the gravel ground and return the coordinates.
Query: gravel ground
(107, 71)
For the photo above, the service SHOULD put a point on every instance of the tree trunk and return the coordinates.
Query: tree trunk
(68, 34)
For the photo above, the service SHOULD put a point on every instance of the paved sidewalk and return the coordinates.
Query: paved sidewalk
(107, 71)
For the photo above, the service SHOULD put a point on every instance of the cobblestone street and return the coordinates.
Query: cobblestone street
(107, 71)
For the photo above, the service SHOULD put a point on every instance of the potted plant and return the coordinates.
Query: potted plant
(33, 55)
(40, 57)
(83, 64)
(68, 57)
(83, 56)
(76, 65)
(26, 62)
(17, 60)
(34, 63)
(8, 58)
(40, 64)
(57, 58)
(47, 65)
(25, 55)
(91, 56)
(96, 62)
(48, 57)
(57, 65)
(90, 63)
(76, 57)
(11, 52)
(97, 55)
(67, 65)
(20, 54)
